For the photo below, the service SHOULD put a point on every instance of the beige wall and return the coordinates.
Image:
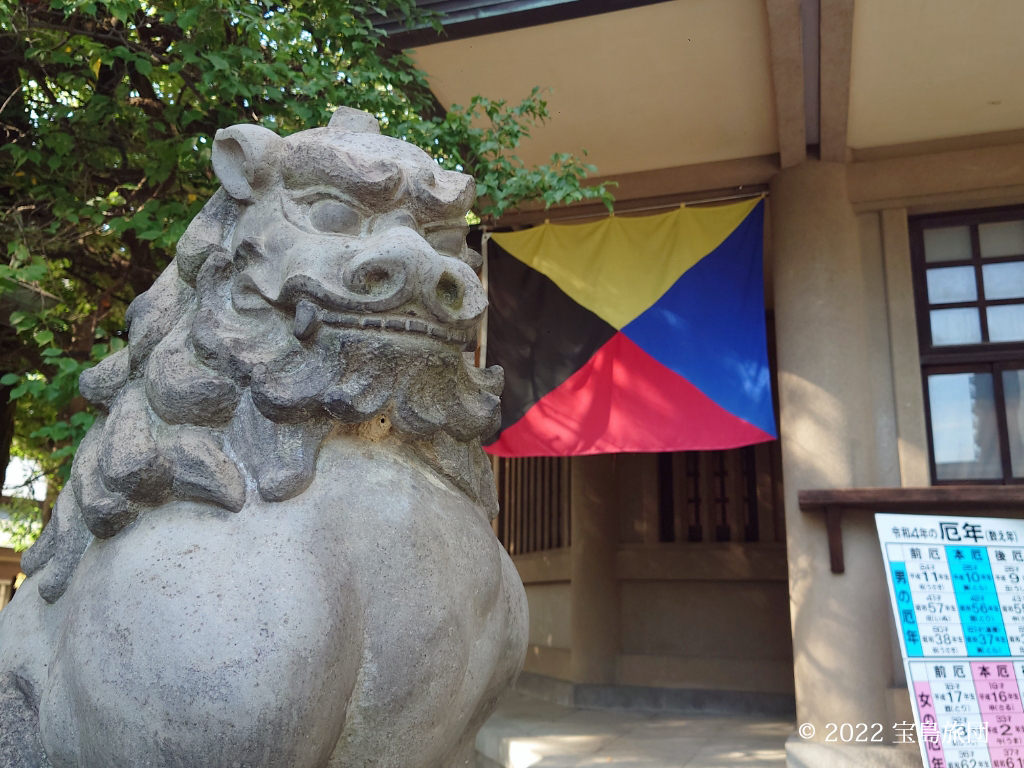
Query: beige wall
(690, 616)
(708, 616)
(725, 635)
(636, 497)
(550, 607)
(711, 619)
(545, 576)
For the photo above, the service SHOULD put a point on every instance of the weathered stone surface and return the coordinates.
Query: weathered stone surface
(275, 549)
(20, 746)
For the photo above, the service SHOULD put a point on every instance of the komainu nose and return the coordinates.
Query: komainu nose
(452, 292)
(402, 265)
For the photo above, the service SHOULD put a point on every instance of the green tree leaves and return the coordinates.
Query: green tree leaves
(21, 524)
(107, 116)
(482, 138)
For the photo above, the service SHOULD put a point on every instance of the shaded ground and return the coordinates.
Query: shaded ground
(527, 732)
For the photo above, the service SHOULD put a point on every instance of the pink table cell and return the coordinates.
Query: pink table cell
(968, 758)
(996, 686)
(1009, 757)
(930, 734)
(1005, 730)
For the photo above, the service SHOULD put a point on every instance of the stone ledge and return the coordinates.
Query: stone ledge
(550, 689)
(815, 754)
(483, 761)
(653, 699)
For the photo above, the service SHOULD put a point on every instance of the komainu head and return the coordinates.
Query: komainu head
(326, 288)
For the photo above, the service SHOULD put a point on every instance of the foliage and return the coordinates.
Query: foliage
(107, 118)
(22, 523)
(482, 139)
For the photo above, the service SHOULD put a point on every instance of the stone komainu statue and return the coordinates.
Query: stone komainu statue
(275, 547)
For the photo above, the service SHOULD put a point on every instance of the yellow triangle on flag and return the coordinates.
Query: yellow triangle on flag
(620, 266)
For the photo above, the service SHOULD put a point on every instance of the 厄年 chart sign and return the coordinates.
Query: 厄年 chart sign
(957, 590)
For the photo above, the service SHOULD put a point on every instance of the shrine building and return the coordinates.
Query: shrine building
(887, 137)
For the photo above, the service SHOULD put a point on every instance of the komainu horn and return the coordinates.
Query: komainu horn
(275, 548)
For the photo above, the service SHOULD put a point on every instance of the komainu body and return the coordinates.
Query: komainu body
(275, 549)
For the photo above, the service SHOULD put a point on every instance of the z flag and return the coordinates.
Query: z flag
(631, 334)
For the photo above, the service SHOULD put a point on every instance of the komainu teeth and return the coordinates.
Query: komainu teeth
(305, 309)
(305, 320)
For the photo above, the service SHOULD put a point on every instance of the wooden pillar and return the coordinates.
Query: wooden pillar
(594, 620)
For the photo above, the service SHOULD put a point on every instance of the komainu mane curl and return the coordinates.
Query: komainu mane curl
(289, 315)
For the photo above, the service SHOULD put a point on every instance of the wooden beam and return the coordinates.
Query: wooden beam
(959, 500)
(693, 179)
(785, 40)
(835, 56)
(663, 187)
(942, 499)
(701, 562)
(546, 567)
(834, 529)
(938, 146)
(912, 181)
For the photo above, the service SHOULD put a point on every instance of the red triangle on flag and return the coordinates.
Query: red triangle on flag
(623, 400)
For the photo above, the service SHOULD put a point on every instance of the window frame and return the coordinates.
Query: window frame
(982, 357)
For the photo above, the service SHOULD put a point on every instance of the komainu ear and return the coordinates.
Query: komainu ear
(244, 159)
(353, 120)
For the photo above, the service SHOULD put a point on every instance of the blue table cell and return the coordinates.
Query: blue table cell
(977, 601)
(905, 609)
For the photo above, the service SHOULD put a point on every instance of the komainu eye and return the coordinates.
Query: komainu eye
(335, 217)
(448, 242)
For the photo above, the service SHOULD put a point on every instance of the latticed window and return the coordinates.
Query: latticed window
(969, 285)
(533, 497)
(696, 496)
(706, 496)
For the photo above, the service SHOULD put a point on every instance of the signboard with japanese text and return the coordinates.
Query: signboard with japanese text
(956, 585)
